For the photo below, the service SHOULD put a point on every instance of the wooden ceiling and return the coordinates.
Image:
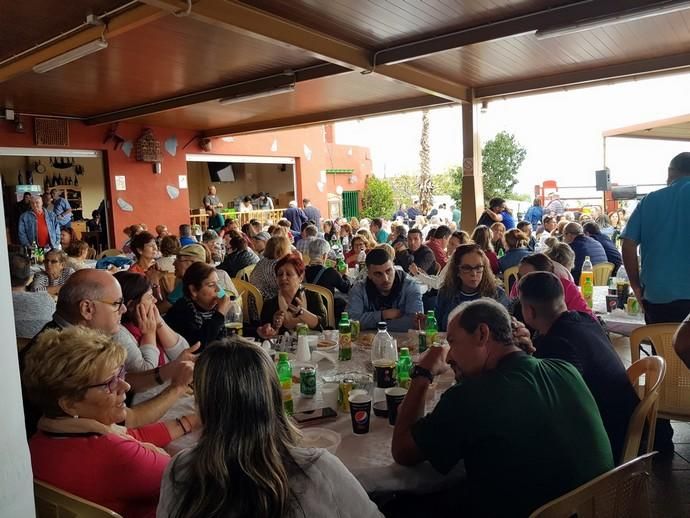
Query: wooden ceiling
(168, 66)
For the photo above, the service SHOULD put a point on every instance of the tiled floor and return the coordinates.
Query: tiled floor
(670, 483)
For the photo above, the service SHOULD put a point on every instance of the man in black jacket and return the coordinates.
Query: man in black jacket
(416, 252)
(613, 255)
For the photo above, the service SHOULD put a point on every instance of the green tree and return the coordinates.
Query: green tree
(502, 158)
(405, 188)
(450, 183)
(426, 185)
(377, 199)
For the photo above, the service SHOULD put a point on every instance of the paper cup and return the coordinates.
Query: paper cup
(329, 394)
(394, 396)
(360, 413)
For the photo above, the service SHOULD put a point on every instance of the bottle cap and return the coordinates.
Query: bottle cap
(405, 351)
(382, 326)
(283, 356)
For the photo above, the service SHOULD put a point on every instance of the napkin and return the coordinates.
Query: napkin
(317, 356)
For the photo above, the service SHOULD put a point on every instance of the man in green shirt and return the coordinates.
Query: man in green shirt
(528, 429)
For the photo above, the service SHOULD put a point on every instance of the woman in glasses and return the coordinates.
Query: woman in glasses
(247, 461)
(55, 274)
(468, 277)
(77, 377)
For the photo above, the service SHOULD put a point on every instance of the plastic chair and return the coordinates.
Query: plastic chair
(602, 273)
(619, 492)
(52, 502)
(674, 395)
(328, 299)
(654, 370)
(507, 275)
(110, 252)
(245, 272)
(252, 300)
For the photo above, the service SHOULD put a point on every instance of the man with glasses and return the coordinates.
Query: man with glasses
(93, 298)
(583, 246)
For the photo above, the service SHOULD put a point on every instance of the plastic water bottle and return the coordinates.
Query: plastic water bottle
(587, 281)
(233, 318)
(285, 376)
(362, 260)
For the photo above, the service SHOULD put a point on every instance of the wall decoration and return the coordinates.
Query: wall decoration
(171, 145)
(182, 181)
(320, 186)
(124, 205)
(127, 148)
(120, 183)
(339, 189)
(307, 152)
(274, 145)
(147, 148)
(173, 192)
(322, 177)
(349, 152)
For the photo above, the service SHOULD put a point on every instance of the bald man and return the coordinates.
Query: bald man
(211, 201)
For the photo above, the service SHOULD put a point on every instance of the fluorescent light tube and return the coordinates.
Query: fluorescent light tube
(71, 55)
(258, 95)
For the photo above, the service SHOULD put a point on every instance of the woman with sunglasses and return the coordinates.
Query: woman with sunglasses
(76, 376)
(468, 277)
(55, 274)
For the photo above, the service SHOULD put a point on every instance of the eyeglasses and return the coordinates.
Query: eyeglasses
(111, 384)
(466, 268)
(53, 261)
(116, 304)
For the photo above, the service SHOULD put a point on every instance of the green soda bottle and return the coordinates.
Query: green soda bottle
(404, 368)
(285, 376)
(431, 328)
(345, 331)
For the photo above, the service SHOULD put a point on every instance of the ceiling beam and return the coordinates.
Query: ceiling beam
(118, 24)
(251, 86)
(588, 76)
(238, 17)
(398, 105)
(544, 19)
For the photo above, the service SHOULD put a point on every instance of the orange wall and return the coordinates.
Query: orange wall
(147, 194)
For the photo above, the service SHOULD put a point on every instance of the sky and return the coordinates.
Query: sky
(562, 132)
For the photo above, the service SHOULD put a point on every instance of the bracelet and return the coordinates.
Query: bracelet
(184, 430)
(157, 374)
(185, 419)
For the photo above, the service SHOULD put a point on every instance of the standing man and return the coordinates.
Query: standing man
(61, 209)
(40, 226)
(456, 214)
(295, 216)
(313, 213)
(211, 201)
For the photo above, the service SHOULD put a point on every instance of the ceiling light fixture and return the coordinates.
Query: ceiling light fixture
(71, 55)
(596, 23)
(485, 107)
(258, 95)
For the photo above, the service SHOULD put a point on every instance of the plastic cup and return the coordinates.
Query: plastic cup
(360, 413)
(329, 394)
(394, 396)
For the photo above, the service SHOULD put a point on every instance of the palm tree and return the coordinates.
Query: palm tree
(426, 185)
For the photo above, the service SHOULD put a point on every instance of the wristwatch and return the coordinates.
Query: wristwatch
(421, 371)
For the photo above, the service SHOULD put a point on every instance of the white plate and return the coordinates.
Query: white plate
(320, 438)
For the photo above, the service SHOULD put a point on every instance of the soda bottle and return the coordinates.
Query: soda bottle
(34, 253)
(342, 267)
(233, 318)
(587, 281)
(384, 357)
(404, 368)
(345, 331)
(431, 328)
(285, 376)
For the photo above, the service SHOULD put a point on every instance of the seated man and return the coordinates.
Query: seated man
(511, 417)
(239, 255)
(186, 237)
(416, 252)
(583, 246)
(613, 255)
(386, 294)
(93, 299)
(438, 242)
(578, 339)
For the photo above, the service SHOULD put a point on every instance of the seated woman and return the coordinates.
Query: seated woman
(77, 252)
(498, 231)
(457, 238)
(293, 305)
(239, 255)
(516, 248)
(346, 236)
(145, 250)
(253, 467)
(329, 229)
(359, 244)
(55, 275)
(264, 274)
(329, 278)
(78, 446)
(67, 237)
(32, 310)
(562, 256)
(468, 277)
(199, 316)
(170, 245)
(482, 236)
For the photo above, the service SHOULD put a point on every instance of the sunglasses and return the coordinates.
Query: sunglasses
(111, 384)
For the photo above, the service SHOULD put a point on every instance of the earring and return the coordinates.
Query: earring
(75, 416)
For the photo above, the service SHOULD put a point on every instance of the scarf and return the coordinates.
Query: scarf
(196, 314)
(85, 425)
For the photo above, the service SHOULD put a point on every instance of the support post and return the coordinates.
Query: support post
(472, 184)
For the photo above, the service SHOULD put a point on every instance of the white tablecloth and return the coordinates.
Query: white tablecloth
(368, 456)
(617, 321)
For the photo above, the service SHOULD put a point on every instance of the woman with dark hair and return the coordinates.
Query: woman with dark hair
(482, 236)
(144, 248)
(246, 204)
(516, 248)
(199, 316)
(359, 244)
(293, 305)
(77, 252)
(170, 245)
(468, 277)
(329, 229)
(346, 236)
(247, 461)
(239, 256)
(67, 237)
(498, 231)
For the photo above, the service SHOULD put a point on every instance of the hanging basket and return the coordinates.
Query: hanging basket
(147, 148)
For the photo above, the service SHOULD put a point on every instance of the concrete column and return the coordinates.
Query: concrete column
(472, 185)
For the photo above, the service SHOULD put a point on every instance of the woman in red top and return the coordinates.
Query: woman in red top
(358, 245)
(145, 250)
(77, 377)
(482, 236)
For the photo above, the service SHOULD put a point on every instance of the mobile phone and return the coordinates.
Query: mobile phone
(315, 415)
(300, 290)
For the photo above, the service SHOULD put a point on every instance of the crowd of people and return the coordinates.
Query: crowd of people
(540, 389)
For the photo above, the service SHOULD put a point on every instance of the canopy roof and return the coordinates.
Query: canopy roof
(675, 128)
(167, 64)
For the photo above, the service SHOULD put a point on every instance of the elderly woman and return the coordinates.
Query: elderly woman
(67, 237)
(199, 316)
(329, 278)
(516, 248)
(293, 305)
(250, 446)
(169, 247)
(468, 277)
(145, 250)
(398, 234)
(457, 238)
(77, 252)
(359, 244)
(482, 236)
(215, 244)
(55, 275)
(264, 276)
(77, 377)
(32, 310)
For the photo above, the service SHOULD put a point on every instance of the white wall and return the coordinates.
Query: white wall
(16, 479)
